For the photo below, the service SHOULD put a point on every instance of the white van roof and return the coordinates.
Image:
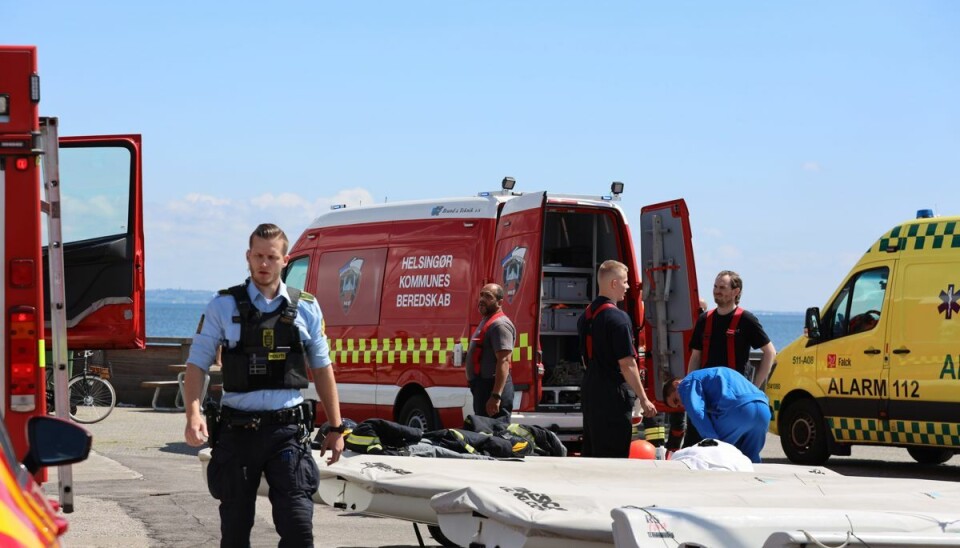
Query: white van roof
(484, 206)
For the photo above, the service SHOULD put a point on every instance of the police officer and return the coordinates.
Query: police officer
(488, 357)
(611, 383)
(269, 334)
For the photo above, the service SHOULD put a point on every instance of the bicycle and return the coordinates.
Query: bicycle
(92, 397)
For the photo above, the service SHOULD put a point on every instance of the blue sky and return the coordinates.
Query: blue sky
(796, 132)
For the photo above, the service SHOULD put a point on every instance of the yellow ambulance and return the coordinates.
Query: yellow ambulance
(881, 364)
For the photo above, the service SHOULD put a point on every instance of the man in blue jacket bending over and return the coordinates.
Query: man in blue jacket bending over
(723, 405)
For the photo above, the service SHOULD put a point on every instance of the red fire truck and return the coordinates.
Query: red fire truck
(75, 273)
(398, 286)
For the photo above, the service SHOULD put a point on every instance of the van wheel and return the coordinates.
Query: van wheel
(930, 455)
(438, 536)
(803, 433)
(418, 413)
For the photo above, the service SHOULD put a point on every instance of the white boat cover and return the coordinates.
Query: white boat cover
(781, 527)
(579, 502)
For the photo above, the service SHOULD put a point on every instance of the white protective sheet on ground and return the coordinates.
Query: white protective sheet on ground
(543, 501)
(577, 502)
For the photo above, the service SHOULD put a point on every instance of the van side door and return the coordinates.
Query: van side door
(924, 387)
(851, 362)
(102, 229)
(516, 266)
(670, 296)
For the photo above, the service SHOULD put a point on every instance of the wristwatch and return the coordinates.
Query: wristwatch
(338, 429)
(494, 395)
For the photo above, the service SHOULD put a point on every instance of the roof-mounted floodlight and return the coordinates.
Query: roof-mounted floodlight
(616, 188)
(508, 183)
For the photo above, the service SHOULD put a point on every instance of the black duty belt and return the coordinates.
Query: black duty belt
(234, 418)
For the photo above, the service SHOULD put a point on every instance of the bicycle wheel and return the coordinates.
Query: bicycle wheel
(91, 398)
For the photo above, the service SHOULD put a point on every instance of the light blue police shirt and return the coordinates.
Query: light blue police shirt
(218, 327)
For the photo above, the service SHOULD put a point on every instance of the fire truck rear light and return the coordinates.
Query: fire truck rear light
(35, 88)
(23, 340)
(22, 274)
(4, 104)
(21, 164)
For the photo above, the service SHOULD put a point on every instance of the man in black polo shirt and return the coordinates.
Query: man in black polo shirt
(611, 383)
(724, 336)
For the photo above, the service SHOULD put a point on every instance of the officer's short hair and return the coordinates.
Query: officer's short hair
(736, 282)
(610, 267)
(270, 231)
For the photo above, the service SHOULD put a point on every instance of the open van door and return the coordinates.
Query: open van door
(102, 225)
(516, 267)
(670, 296)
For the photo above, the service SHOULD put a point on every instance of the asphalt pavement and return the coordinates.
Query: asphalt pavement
(142, 487)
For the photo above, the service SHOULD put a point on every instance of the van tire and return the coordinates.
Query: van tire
(930, 455)
(419, 413)
(803, 433)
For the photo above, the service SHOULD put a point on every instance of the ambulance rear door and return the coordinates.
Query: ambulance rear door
(102, 228)
(924, 405)
(670, 297)
(517, 267)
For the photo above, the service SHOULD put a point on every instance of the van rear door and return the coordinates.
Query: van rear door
(516, 267)
(670, 296)
(102, 229)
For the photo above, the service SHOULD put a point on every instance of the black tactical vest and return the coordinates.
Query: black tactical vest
(269, 354)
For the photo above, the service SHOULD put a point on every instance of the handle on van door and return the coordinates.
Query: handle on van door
(902, 351)
(872, 351)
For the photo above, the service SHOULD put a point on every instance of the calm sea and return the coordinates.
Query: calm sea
(180, 320)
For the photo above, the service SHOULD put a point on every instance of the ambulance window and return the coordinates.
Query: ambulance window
(858, 305)
(296, 273)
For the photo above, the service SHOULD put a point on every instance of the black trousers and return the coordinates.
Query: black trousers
(481, 390)
(233, 475)
(607, 404)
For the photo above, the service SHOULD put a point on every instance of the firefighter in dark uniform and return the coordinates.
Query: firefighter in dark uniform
(722, 337)
(268, 334)
(611, 382)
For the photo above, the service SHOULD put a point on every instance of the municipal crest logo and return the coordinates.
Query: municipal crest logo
(350, 282)
(513, 265)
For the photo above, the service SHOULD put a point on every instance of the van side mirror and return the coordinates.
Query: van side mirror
(811, 323)
(55, 442)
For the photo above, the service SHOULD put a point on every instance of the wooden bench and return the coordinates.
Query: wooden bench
(178, 400)
(160, 385)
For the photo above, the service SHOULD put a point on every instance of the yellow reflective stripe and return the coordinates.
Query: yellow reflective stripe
(434, 350)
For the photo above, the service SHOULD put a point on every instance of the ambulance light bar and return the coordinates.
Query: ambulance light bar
(924, 213)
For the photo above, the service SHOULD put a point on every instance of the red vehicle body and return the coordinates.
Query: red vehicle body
(398, 286)
(102, 241)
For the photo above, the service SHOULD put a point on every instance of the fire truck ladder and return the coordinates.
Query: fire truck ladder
(660, 272)
(58, 312)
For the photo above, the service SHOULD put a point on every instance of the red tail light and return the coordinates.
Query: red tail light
(23, 341)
